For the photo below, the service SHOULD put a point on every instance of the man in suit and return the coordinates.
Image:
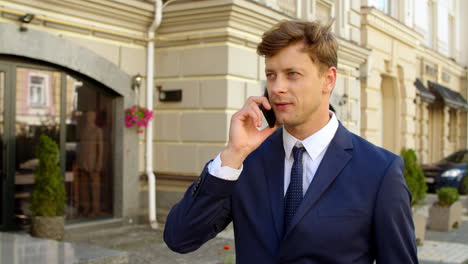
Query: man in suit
(309, 192)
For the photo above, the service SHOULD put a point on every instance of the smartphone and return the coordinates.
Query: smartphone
(269, 114)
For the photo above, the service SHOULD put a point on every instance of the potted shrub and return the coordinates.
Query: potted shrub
(415, 180)
(446, 213)
(48, 197)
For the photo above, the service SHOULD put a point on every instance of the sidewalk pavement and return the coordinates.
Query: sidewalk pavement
(142, 245)
(145, 245)
(446, 247)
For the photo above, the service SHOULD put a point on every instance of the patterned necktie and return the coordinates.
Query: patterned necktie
(293, 196)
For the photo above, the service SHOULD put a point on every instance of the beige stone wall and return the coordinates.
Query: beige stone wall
(447, 126)
(217, 72)
(388, 111)
(118, 36)
(215, 80)
(393, 116)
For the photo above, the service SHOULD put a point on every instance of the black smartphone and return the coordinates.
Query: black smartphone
(269, 114)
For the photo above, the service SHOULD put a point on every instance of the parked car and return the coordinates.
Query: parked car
(449, 172)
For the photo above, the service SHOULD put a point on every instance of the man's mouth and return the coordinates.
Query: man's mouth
(282, 105)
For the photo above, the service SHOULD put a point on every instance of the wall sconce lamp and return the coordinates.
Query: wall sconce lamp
(136, 81)
(169, 95)
(26, 19)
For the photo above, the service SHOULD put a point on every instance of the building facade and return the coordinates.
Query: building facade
(69, 68)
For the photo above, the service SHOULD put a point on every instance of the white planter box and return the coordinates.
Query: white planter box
(445, 218)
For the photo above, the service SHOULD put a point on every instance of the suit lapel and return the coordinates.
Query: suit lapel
(333, 162)
(273, 163)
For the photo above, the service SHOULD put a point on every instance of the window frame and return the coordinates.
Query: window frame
(44, 91)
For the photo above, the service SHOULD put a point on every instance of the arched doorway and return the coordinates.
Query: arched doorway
(72, 94)
(77, 114)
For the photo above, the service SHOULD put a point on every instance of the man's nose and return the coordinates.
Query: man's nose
(278, 86)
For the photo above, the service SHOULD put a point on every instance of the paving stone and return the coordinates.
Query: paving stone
(442, 253)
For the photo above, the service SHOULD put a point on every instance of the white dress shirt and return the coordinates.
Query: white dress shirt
(316, 145)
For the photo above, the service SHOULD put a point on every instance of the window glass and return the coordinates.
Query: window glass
(37, 112)
(88, 150)
(383, 5)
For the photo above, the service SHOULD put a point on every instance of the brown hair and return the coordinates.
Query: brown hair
(319, 42)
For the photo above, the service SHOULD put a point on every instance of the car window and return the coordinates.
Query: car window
(458, 157)
(455, 157)
(465, 157)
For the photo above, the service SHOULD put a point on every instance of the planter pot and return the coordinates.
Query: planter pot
(51, 227)
(445, 218)
(419, 221)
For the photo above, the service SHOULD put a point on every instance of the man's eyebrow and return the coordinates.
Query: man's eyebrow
(291, 69)
(284, 70)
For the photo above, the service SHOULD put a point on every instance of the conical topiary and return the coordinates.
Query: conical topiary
(414, 176)
(48, 198)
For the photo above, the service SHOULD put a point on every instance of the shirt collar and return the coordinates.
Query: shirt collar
(315, 143)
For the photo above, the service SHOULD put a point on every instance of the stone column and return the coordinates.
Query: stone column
(370, 98)
(425, 140)
(446, 131)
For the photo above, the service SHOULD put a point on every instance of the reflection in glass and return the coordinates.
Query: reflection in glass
(88, 150)
(37, 112)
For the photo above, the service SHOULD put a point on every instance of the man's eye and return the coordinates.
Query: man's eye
(293, 74)
(270, 76)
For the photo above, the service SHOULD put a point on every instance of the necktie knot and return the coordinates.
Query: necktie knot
(297, 153)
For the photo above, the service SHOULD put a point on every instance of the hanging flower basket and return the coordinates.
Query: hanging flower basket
(138, 116)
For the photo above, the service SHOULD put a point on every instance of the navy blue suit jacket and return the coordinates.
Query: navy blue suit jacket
(356, 210)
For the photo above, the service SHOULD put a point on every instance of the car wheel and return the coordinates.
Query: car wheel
(462, 188)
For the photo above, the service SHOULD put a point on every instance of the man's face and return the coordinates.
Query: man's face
(299, 93)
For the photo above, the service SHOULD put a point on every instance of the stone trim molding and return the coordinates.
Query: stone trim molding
(50, 48)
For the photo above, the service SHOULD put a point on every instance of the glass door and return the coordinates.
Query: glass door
(37, 112)
(2, 172)
(75, 112)
(88, 142)
(6, 209)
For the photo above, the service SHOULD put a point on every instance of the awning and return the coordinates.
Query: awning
(425, 94)
(450, 97)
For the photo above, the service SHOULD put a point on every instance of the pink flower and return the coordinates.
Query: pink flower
(138, 116)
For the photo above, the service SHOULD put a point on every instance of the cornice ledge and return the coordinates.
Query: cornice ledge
(244, 16)
(390, 26)
(352, 52)
(436, 57)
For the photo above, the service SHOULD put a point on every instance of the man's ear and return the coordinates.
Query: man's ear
(329, 79)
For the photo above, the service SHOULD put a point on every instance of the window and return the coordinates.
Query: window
(383, 5)
(324, 10)
(38, 85)
(451, 37)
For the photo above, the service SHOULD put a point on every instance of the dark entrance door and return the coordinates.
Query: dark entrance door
(29, 106)
(5, 194)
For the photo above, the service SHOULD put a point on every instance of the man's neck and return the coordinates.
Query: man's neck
(304, 131)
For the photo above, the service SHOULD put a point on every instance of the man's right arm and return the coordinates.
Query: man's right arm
(205, 209)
